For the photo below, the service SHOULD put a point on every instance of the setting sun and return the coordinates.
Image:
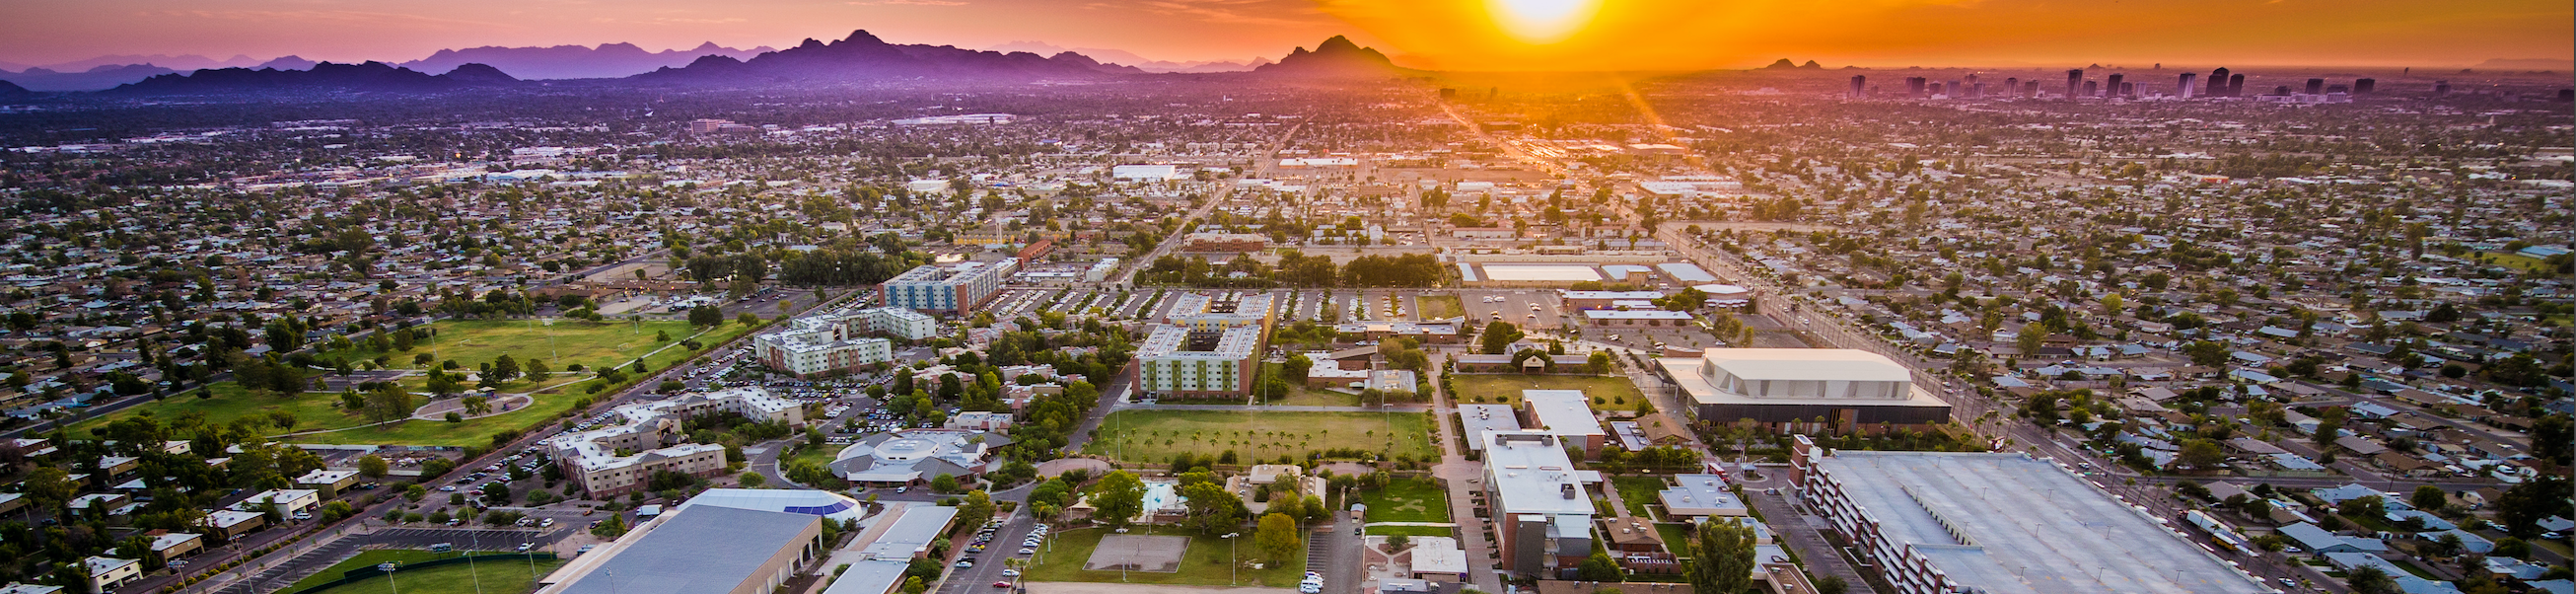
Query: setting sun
(1542, 21)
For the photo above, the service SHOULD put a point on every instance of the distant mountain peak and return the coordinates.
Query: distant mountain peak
(1336, 57)
(608, 60)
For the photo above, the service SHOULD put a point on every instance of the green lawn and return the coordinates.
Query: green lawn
(1154, 436)
(1676, 538)
(1407, 500)
(1616, 392)
(1300, 395)
(1411, 531)
(1638, 492)
(1203, 564)
(561, 344)
(2512, 260)
(312, 410)
(1433, 307)
(367, 558)
(498, 576)
(820, 456)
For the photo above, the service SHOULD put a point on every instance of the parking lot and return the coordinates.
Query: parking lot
(1531, 309)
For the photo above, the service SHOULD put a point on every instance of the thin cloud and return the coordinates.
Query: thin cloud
(907, 3)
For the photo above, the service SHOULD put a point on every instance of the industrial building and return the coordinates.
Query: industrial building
(2005, 523)
(1542, 517)
(703, 549)
(650, 437)
(1180, 362)
(949, 288)
(1802, 390)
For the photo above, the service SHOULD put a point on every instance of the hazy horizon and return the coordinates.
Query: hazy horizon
(1459, 35)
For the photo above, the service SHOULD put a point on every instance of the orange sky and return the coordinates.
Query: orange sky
(1448, 34)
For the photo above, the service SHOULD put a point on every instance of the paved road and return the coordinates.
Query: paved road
(1819, 554)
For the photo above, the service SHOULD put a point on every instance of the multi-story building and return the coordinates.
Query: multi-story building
(617, 460)
(1790, 390)
(894, 321)
(952, 288)
(107, 573)
(820, 345)
(1542, 517)
(1185, 363)
(1945, 522)
(1566, 414)
(1209, 242)
(1203, 311)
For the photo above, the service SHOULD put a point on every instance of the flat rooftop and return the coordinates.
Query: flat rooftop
(1531, 474)
(1478, 419)
(1569, 273)
(704, 549)
(1562, 412)
(2024, 525)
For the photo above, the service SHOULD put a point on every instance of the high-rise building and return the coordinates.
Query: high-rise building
(1914, 87)
(2074, 82)
(2441, 87)
(2364, 86)
(1857, 82)
(2236, 85)
(2092, 88)
(2111, 86)
(2185, 88)
(1977, 91)
(2030, 88)
(2218, 83)
(2012, 86)
(2316, 86)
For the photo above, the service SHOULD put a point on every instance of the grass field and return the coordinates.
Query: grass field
(561, 344)
(1203, 564)
(1407, 500)
(312, 410)
(1411, 531)
(471, 343)
(2512, 260)
(1433, 307)
(1638, 492)
(1676, 538)
(1154, 436)
(1615, 391)
(499, 575)
(1299, 395)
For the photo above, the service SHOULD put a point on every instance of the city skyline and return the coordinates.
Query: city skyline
(1461, 35)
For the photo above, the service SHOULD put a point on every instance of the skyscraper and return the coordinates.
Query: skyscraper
(2092, 88)
(2030, 88)
(2316, 86)
(2111, 87)
(2235, 85)
(2074, 80)
(2185, 88)
(2012, 86)
(1856, 84)
(2364, 86)
(2218, 83)
(1914, 87)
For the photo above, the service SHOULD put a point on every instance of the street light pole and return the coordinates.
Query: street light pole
(1231, 561)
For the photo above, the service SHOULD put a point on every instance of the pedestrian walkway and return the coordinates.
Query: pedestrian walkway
(1819, 554)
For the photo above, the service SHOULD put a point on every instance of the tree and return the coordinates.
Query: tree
(1600, 362)
(1118, 498)
(504, 368)
(612, 527)
(49, 487)
(2369, 579)
(2523, 507)
(2202, 454)
(1498, 337)
(1832, 584)
(2511, 547)
(388, 403)
(1277, 537)
(977, 508)
(2207, 353)
(2551, 436)
(1296, 367)
(373, 467)
(2367, 506)
(2429, 498)
(1721, 558)
(1600, 568)
(1396, 543)
(1212, 510)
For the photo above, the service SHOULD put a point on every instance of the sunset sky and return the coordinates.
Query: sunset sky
(1444, 34)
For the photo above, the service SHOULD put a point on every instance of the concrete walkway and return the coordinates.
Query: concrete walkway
(1819, 555)
(1456, 471)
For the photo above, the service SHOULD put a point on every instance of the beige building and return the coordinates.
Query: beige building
(617, 460)
(107, 573)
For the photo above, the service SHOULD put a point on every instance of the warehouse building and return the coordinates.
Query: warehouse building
(1944, 522)
(1802, 390)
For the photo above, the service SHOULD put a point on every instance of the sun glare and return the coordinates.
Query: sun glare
(1542, 21)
